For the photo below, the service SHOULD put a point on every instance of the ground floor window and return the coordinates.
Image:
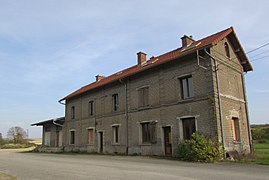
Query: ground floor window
(148, 132)
(90, 136)
(188, 127)
(115, 133)
(235, 129)
(72, 137)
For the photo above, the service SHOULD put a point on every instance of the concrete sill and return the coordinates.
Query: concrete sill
(146, 144)
(116, 144)
(237, 142)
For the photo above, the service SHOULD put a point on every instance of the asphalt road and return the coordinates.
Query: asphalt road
(79, 166)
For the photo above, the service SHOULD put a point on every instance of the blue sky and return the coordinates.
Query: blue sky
(50, 48)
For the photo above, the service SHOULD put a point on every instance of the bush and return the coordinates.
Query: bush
(200, 149)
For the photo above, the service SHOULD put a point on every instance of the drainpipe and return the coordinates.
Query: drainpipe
(126, 116)
(219, 101)
(247, 112)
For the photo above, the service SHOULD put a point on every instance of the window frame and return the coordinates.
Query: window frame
(143, 97)
(72, 139)
(115, 102)
(188, 123)
(186, 87)
(73, 109)
(148, 132)
(116, 134)
(91, 141)
(236, 129)
(91, 108)
(227, 50)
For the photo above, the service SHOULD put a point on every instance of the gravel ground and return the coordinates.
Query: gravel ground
(82, 166)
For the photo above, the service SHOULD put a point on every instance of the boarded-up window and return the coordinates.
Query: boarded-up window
(143, 97)
(148, 132)
(115, 134)
(235, 129)
(73, 112)
(90, 136)
(188, 127)
(115, 101)
(90, 108)
(72, 137)
(186, 87)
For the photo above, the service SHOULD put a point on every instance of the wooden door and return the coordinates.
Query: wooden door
(167, 141)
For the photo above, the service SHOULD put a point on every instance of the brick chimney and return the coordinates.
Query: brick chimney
(141, 58)
(186, 40)
(98, 77)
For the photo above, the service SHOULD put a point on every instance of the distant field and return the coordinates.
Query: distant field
(37, 141)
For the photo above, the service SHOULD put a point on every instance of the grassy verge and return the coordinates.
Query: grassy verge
(15, 146)
(4, 176)
(262, 153)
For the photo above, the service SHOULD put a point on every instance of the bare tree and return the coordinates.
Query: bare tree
(17, 134)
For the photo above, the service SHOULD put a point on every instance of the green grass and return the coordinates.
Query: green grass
(262, 153)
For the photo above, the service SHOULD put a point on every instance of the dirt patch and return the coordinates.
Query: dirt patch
(4, 176)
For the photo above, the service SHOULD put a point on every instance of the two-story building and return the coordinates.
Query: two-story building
(147, 108)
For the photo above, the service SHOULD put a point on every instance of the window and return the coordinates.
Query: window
(115, 101)
(227, 50)
(72, 137)
(148, 132)
(235, 129)
(90, 136)
(73, 112)
(186, 87)
(90, 108)
(115, 134)
(188, 127)
(143, 97)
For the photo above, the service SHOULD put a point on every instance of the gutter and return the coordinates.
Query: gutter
(247, 112)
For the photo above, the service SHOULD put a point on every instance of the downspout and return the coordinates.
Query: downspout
(126, 116)
(219, 101)
(247, 112)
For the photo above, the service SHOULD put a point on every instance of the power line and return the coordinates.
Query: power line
(260, 53)
(259, 58)
(258, 48)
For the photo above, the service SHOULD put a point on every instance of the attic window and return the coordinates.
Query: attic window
(227, 50)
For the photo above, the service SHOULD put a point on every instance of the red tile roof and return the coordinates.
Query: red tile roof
(210, 40)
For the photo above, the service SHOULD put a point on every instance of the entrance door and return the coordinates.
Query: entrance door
(167, 140)
(101, 142)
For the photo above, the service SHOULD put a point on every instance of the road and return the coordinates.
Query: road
(35, 166)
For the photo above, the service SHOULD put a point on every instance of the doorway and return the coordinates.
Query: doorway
(101, 140)
(167, 141)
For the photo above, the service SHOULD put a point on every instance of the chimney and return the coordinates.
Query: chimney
(98, 78)
(141, 58)
(186, 40)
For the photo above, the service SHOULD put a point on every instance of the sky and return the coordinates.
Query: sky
(50, 48)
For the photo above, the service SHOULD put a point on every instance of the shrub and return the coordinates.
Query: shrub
(200, 149)
(15, 146)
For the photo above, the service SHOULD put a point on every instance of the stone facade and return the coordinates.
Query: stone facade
(215, 88)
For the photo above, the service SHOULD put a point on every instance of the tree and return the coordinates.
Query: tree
(1, 137)
(17, 134)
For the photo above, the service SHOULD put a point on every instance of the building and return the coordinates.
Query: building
(147, 108)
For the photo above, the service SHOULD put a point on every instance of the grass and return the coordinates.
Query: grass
(262, 153)
(4, 176)
(15, 146)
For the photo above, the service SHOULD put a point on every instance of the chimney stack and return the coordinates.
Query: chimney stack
(98, 78)
(141, 58)
(186, 40)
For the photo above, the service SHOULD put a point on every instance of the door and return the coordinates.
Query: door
(167, 141)
(101, 148)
